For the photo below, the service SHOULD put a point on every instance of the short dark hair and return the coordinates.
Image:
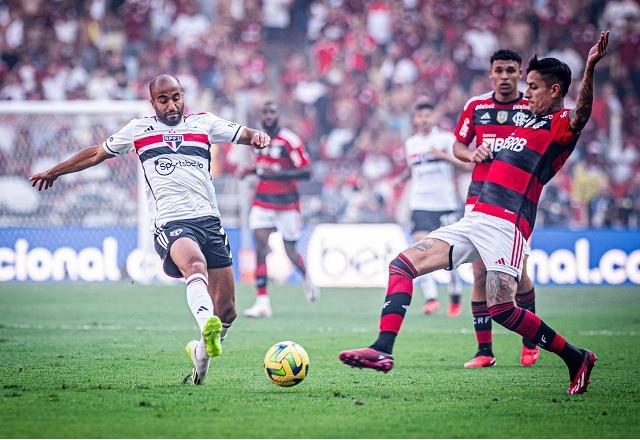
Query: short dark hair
(552, 71)
(506, 55)
(422, 104)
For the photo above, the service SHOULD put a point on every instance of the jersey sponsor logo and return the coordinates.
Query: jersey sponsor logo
(502, 116)
(148, 129)
(464, 130)
(485, 119)
(176, 232)
(512, 143)
(173, 140)
(484, 106)
(520, 118)
(165, 166)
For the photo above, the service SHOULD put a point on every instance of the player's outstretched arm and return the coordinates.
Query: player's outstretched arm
(83, 159)
(580, 115)
(255, 138)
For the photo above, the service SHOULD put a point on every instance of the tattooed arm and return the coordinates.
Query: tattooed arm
(580, 115)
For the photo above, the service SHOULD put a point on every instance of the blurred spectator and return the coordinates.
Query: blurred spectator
(348, 69)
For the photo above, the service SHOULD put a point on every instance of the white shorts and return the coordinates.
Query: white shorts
(496, 241)
(288, 222)
(527, 245)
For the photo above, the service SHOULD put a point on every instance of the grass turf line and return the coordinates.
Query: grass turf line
(87, 360)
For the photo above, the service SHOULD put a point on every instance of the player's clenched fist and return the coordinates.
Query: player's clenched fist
(482, 153)
(260, 140)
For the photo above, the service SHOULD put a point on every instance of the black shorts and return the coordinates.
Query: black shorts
(428, 221)
(206, 231)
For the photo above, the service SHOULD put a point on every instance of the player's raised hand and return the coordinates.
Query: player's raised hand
(260, 140)
(599, 50)
(42, 180)
(481, 153)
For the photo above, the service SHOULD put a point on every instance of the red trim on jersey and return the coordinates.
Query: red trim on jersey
(158, 138)
(497, 211)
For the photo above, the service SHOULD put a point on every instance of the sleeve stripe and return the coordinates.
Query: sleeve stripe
(109, 150)
(235, 136)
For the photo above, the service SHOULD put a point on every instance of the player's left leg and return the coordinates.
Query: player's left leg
(262, 307)
(455, 293)
(501, 247)
(222, 292)
(501, 288)
(289, 223)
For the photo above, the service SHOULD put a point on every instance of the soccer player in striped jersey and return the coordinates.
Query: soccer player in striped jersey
(430, 158)
(174, 152)
(501, 221)
(276, 204)
(490, 118)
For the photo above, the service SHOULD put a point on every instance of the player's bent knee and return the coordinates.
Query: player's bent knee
(501, 288)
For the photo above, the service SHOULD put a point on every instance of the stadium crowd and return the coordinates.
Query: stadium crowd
(345, 73)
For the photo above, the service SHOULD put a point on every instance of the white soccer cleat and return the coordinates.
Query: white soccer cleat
(261, 309)
(200, 366)
(311, 292)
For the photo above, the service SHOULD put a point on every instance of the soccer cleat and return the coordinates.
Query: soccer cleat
(211, 334)
(454, 310)
(529, 356)
(367, 358)
(200, 367)
(580, 381)
(311, 292)
(480, 361)
(431, 307)
(259, 310)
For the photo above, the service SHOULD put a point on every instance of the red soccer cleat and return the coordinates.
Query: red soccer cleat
(431, 307)
(454, 310)
(580, 381)
(529, 356)
(367, 358)
(480, 362)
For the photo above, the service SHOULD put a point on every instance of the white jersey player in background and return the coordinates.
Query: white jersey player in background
(174, 151)
(433, 194)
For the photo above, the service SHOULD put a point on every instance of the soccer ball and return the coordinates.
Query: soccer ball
(286, 363)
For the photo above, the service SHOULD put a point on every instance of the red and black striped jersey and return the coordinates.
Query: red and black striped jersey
(285, 152)
(488, 120)
(527, 160)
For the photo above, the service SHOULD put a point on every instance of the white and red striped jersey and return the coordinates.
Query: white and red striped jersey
(176, 160)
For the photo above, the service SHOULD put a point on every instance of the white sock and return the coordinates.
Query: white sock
(225, 330)
(263, 300)
(428, 285)
(198, 299)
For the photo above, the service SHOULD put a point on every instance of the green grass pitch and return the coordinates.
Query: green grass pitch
(85, 360)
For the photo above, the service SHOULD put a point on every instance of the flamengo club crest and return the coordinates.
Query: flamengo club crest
(502, 116)
(173, 140)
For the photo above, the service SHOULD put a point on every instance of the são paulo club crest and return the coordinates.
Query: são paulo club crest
(173, 140)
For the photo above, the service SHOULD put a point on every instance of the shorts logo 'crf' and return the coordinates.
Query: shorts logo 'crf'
(173, 140)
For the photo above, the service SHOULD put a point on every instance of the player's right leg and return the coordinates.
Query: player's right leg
(262, 307)
(481, 320)
(185, 258)
(445, 248)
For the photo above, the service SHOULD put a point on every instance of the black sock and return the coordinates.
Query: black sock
(482, 326)
(527, 301)
(454, 298)
(385, 342)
